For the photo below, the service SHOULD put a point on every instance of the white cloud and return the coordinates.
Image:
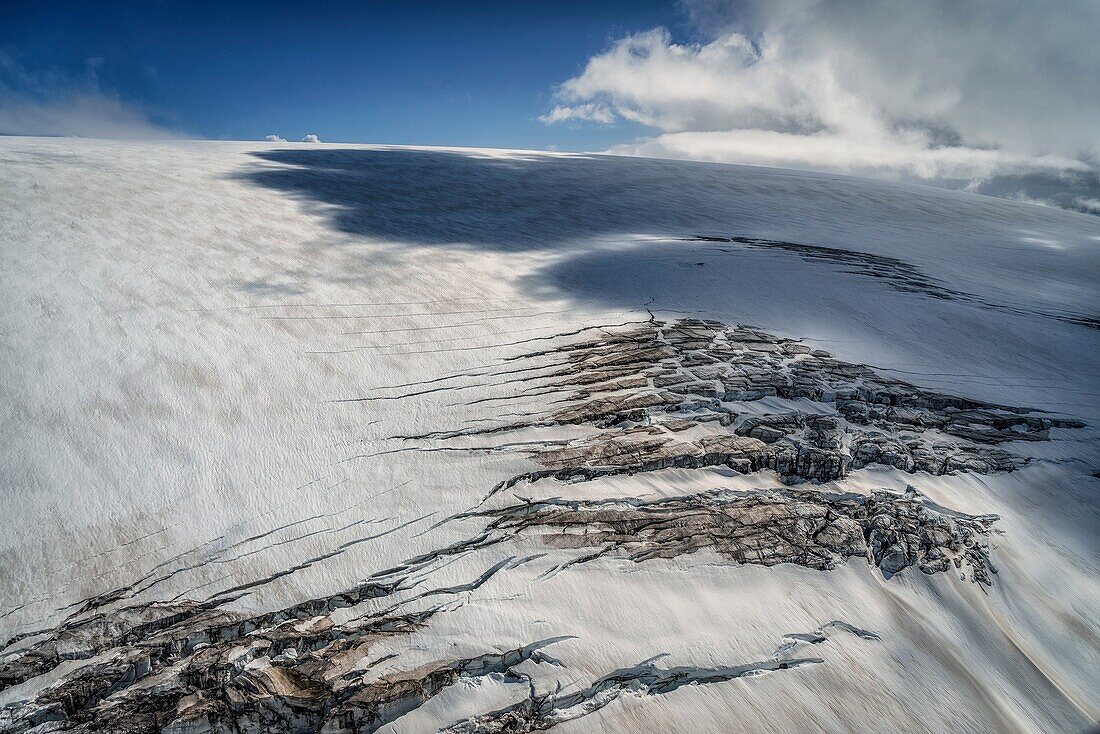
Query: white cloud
(311, 138)
(1088, 204)
(275, 139)
(49, 104)
(590, 112)
(936, 89)
(883, 155)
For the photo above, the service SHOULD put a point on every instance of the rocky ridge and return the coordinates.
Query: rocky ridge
(818, 530)
(693, 394)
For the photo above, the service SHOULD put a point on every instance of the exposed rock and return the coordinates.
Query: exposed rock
(211, 671)
(539, 712)
(667, 377)
(815, 529)
(193, 667)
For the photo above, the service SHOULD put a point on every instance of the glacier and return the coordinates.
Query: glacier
(353, 438)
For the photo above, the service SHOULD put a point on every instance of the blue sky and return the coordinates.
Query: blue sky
(998, 97)
(382, 71)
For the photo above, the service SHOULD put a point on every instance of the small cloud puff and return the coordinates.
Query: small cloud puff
(589, 112)
(311, 138)
(1092, 206)
(275, 139)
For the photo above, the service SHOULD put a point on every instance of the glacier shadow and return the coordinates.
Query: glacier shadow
(828, 226)
(502, 202)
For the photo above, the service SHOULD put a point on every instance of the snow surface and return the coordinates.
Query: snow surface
(180, 321)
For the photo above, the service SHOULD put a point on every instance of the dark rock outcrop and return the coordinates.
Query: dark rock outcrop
(645, 387)
(818, 530)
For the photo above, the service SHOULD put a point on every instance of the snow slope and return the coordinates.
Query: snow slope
(206, 345)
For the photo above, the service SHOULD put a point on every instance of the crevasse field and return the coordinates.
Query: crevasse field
(351, 438)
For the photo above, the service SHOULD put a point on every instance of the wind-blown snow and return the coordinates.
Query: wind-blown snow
(184, 323)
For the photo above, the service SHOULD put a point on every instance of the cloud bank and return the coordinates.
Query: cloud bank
(935, 90)
(47, 103)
